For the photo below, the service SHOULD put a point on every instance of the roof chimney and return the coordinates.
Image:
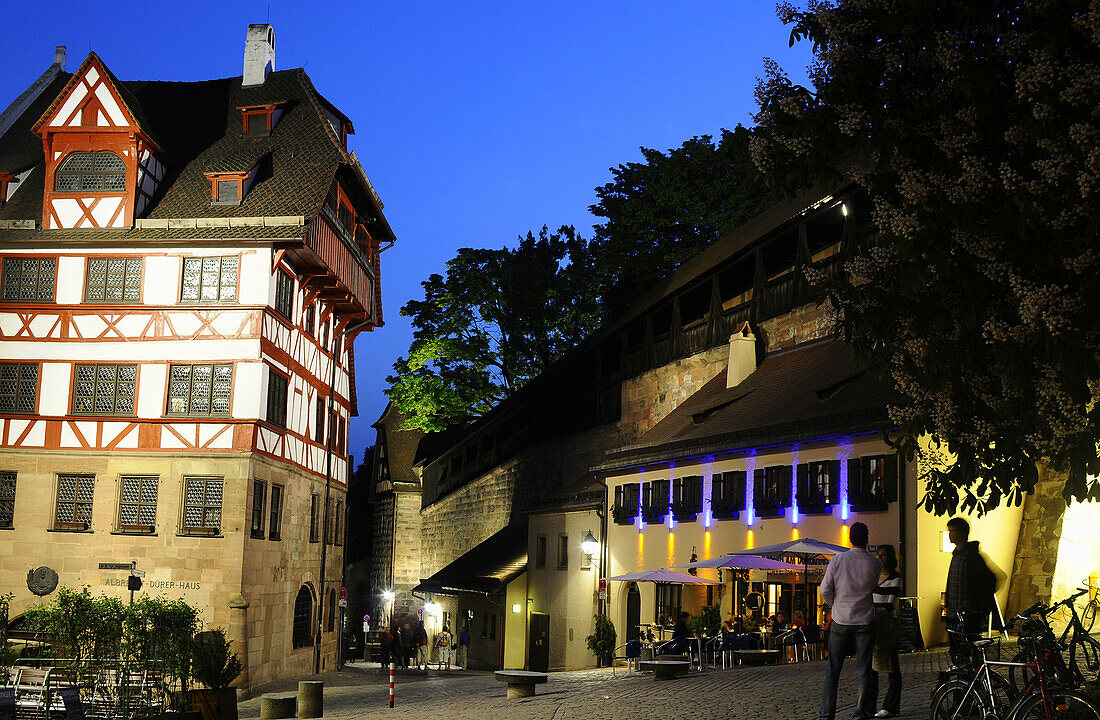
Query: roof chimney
(259, 54)
(742, 356)
(59, 57)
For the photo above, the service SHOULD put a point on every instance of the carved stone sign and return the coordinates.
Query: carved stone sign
(42, 580)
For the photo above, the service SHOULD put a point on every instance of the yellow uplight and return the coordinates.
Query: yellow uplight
(749, 543)
(844, 536)
(671, 548)
(706, 545)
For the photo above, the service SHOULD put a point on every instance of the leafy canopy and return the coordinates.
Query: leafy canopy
(496, 320)
(973, 127)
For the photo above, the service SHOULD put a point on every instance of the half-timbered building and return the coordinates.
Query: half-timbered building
(185, 266)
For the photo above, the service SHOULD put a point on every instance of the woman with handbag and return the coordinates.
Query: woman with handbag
(887, 631)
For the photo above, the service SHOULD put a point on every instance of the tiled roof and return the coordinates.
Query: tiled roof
(400, 444)
(803, 393)
(486, 568)
(247, 232)
(199, 128)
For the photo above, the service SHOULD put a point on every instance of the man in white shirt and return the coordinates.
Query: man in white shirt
(847, 586)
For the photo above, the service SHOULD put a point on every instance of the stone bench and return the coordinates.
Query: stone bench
(521, 683)
(665, 669)
(275, 706)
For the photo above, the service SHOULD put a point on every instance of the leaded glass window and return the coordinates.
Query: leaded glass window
(74, 501)
(276, 399)
(7, 499)
(284, 294)
(210, 279)
(202, 505)
(200, 389)
(98, 172)
(113, 280)
(28, 279)
(104, 389)
(18, 387)
(137, 507)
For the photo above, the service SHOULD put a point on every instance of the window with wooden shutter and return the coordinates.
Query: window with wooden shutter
(626, 503)
(772, 490)
(818, 484)
(727, 494)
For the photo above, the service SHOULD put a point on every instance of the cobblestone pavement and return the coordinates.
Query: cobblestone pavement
(784, 692)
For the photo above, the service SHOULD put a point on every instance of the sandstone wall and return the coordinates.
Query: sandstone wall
(1037, 557)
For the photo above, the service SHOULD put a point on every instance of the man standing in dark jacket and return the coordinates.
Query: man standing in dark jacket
(970, 582)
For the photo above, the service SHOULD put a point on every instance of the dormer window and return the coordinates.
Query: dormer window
(91, 171)
(228, 188)
(259, 120)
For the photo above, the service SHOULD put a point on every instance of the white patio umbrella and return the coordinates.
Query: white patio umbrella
(665, 576)
(808, 550)
(742, 562)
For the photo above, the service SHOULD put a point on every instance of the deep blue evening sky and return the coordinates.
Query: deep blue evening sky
(476, 122)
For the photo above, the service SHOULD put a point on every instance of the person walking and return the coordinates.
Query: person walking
(847, 586)
(887, 630)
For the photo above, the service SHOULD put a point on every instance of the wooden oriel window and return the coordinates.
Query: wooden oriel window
(210, 279)
(28, 279)
(200, 389)
(7, 499)
(258, 492)
(18, 387)
(74, 502)
(276, 398)
(113, 280)
(202, 506)
(104, 389)
(91, 172)
(137, 504)
(284, 294)
(275, 514)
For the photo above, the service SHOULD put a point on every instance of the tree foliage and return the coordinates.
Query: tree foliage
(494, 321)
(660, 212)
(973, 126)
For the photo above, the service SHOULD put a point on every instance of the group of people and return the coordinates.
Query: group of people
(404, 644)
(863, 591)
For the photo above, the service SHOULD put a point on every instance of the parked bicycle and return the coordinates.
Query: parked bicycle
(982, 693)
(1083, 651)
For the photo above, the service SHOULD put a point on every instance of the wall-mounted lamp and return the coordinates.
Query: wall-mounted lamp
(388, 595)
(517, 608)
(590, 545)
(947, 546)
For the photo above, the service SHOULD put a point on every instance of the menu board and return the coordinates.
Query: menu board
(74, 709)
(911, 639)
(7, 703)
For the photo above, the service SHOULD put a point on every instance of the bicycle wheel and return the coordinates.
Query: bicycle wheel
(1063, 706)
(951, 702)
(1088, 615)
(1021, 677)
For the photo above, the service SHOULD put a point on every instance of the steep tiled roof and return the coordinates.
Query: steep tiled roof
(199, 128)
(805, 392)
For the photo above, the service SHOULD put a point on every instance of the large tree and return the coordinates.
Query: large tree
(496, 320)
(974, 128)
(663, 211)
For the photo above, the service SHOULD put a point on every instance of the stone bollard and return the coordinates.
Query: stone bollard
(311, 699)
(278, 705)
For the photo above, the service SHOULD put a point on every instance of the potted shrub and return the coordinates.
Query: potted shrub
(216, 666)
(602, 641)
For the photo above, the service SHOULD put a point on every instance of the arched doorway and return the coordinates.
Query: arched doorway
(633, 611)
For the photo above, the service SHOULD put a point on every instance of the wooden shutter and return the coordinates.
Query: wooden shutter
(758, 489)
(804, 480)
(834, 482)
(620, 496)
(736, 486)
(631, 494)
(647, 494)
(696, 496)
(892, 477)
(855, 477)
(785, 475)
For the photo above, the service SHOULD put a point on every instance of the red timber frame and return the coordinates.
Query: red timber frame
(5, 178)
(60, 139)
(252, 111)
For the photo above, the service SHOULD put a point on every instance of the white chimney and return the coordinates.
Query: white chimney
(59, 57)
(259, 54)
(742, 356)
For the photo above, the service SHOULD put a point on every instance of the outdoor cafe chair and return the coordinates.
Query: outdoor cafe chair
(792, 639)
(815, 641)
(632, 653)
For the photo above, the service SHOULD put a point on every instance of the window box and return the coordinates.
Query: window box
(868, 502)
(813, 505)
(624, 515)
(136, 529)
(685, 511)
(769, 508)
(654, 514)
(726, 509)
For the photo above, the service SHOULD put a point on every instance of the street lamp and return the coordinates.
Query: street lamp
(590, 546)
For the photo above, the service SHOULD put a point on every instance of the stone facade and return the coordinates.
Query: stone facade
(1036, 559)
(803, 324)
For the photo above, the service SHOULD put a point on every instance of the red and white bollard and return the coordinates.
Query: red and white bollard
(392, 667)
